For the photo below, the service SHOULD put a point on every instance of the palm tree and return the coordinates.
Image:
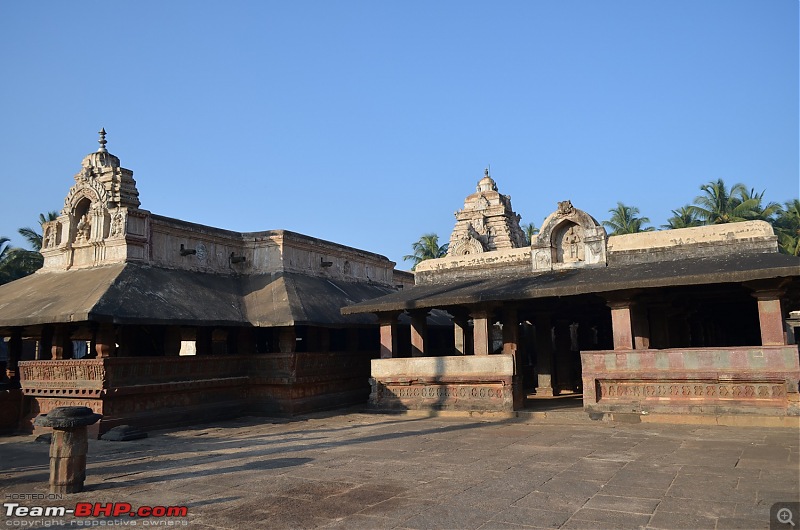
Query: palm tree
(683, 217)
(625, 220)
(757, 210)
(530, 230)
(787, 228)
(15, 262)
(426, 248)
(720, 205)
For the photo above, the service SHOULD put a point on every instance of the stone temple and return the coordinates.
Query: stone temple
(152, 321)
(692, 321)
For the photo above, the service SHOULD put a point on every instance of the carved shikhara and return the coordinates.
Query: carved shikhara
(486, 222)
(569, 238)
(93, 227)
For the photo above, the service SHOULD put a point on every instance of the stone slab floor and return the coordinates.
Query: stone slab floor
(355, 470)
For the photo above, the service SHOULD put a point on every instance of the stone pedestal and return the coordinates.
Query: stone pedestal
(68, 446)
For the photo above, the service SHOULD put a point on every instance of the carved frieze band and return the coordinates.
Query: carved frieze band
(440, 391)
(710, 390)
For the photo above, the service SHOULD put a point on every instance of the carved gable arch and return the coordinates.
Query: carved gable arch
(91, 190)
(569, 238)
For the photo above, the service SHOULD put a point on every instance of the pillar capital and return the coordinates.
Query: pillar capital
(388, 317)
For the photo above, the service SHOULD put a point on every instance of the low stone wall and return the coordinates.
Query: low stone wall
(151, 392)
(735, 380)
(462, 383)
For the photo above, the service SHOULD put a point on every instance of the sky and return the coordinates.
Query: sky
(367, 123)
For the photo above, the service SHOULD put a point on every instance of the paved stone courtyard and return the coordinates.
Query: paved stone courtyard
(355, 470)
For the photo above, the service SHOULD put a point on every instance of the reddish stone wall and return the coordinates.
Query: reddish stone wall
(738, 380)
(158, 391)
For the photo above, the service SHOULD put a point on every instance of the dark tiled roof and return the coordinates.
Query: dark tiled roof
(696, 271)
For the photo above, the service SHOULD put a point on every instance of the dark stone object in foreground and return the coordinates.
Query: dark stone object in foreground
(68, 447)
(123, 433)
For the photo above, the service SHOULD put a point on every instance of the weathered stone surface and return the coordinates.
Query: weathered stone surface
(757, 379)
(477, 383)
(359, 470)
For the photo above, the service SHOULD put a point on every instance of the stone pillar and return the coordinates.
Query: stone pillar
(770, 317)
(480, 331)
(61, 347)
(641, 327)
(544, 355)
(419, 332)
(621, 323)
(105, 341)
(287, 339)
(460, 334)
(510, 331)
(14, 355)
(388, 325)
(562, 356)
(68, 446)
(203, 341)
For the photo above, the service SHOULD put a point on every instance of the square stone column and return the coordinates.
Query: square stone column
(770, 317)
(544, 355)
(14, 355)
(105, 341)
(510, 331)
(562, 355)
(641, 327)
(460, 334)
(61, 346)
(419, 332)
(621, 324)
(480, 331)
(388, 326)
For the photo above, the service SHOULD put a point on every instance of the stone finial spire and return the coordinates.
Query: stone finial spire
(102, 141)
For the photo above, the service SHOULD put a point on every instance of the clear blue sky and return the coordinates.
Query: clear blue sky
(367, 123)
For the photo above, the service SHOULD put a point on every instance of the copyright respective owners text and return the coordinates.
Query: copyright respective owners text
(784, 515)
(51, 510)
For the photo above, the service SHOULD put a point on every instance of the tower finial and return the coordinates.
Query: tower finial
(102, 141)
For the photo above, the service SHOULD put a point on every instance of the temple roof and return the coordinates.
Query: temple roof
(132, 293)
(732, 268)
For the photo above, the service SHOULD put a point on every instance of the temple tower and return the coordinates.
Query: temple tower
(101, 221)
(486, 222)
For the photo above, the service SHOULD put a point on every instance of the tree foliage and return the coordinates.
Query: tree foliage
(426, 248)
(626, 220)
(17, 262)
(530, 230)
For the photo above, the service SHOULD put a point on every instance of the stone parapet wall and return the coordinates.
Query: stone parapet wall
(482, 265)
(734, 380)
(151, 392)
(700, 241)
(462, 383)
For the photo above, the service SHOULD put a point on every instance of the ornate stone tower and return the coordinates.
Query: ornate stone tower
(101, 221)
(486, 222)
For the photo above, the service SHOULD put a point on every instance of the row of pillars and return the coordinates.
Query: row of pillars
(631, 327)
(480, 343)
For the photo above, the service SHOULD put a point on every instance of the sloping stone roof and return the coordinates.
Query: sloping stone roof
(517, 286)
(133, 293)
